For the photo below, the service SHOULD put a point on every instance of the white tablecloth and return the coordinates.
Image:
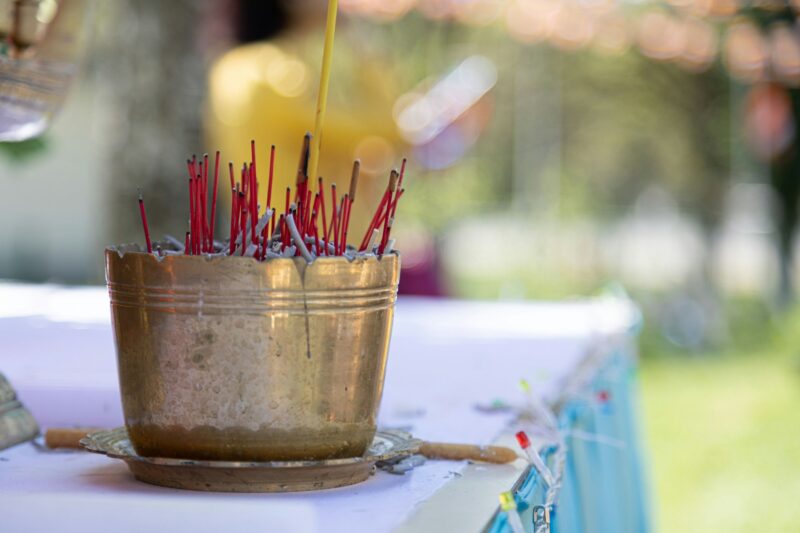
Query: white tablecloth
(446, 357)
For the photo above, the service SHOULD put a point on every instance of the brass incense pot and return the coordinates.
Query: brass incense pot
(228, 358)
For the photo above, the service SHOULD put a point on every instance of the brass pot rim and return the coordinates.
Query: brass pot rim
(135, 249)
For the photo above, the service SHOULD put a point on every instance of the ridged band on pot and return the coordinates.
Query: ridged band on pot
(227, 358)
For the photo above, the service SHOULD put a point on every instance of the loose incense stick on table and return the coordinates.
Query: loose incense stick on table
(70, 438)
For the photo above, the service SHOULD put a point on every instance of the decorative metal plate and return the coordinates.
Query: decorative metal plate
(242, 476)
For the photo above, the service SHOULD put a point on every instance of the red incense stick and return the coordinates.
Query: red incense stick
(214, 201)
(245, 210)
(243, 222)
(253, 155)
(391, 221)
(144, 224)
(192, 229)
(269, 186)
(316, 237)
(253, 202)
(378, 213)
(345, 219)
(307, 212)
(324, 217)
(388, 220)
(334, 221)
(234, 219)
(204, 205)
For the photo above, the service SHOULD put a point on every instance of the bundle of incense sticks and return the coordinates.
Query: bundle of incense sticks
(303, 229)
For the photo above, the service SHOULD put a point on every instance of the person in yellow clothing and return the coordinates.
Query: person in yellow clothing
(267, 91)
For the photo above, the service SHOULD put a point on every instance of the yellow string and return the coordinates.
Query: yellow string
(324, 81)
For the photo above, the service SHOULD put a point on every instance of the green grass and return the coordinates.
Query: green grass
(723, 433)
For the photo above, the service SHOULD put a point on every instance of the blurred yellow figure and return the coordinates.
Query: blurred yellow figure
(267, 91)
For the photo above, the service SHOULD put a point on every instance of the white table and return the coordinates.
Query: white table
(446, 357)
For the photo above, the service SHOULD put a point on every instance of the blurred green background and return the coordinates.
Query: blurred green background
(572, 145)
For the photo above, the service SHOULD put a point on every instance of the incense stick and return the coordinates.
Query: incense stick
(324, 82)
(144, 224)
(298, 231)
(214, 201)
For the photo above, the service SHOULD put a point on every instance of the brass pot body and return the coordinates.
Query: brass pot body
(227, 358)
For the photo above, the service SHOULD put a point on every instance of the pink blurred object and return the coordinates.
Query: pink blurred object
(421, 273)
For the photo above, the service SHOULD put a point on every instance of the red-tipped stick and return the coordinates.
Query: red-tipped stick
(269, 187)
(283, 231)
(234, 218)
(314, 211)
(243, 223)
(345, 221)
(306, 213)
(334, 221)
(288, 199)
(402, 173)
(253, 155)
(264, 241)
(295, 216)
(378, 212)
(299, 200)
(340, 224)
(144, 224)
(394, 208)
(316, 236)
(192, 165)
(388, 220)
(302, 167)
(324, 217)
(299, 182)
(198, 215)
(298, 208)
(198, 208)
(192, 228)
(391, 218)
(333, 214)
(280, 230)
(198, 200)
(245, 201)
(253, 202)
(230, 171)
(214, 202)
(351, 198)
(242, 217)
(204, 205)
